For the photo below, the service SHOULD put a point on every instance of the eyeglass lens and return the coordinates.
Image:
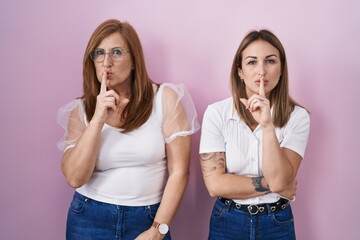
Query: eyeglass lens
(116, 54)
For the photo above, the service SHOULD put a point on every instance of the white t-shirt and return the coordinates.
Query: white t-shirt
(223, 131)
(131, 167)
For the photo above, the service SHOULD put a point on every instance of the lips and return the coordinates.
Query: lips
(258, 81)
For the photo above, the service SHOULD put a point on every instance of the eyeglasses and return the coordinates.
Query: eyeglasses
(116, 54)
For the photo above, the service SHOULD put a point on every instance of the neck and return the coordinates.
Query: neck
(122, 90)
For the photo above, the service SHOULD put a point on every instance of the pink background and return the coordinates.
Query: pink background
(190, 42)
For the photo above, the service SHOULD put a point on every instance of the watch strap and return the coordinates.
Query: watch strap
(155, 224)
(162, 227)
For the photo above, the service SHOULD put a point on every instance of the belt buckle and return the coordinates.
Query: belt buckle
(251, 208)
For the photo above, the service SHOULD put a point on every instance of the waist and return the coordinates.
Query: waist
(129, 189)
(255, 209)
(84, 198)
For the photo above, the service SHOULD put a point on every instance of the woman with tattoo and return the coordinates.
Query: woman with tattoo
(252, 145)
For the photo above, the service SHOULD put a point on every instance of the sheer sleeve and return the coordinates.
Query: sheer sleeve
(179, 113)
(72, 118)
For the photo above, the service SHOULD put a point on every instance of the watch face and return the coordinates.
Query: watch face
(163, 228)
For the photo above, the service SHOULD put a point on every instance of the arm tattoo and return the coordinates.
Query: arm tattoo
(256, 181)
(212, 162)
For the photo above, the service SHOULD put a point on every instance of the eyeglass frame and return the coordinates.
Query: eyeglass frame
(110, 54)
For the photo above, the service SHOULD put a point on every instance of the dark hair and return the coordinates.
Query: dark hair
(139, 108)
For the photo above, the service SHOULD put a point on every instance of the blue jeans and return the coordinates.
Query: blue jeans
(229, 223)
(89, 219)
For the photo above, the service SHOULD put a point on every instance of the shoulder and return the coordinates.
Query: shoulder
(171, 93)
(300, 113)
(219, 112)
(76, 104)
(299, 118)
(224, 106)
(172, 90)
(225, 103)
(73, 111)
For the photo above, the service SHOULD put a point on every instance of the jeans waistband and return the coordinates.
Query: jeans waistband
(255, 209)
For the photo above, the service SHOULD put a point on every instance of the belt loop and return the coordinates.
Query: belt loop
(270, 209)
(227, 203)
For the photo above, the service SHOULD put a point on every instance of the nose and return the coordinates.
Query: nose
(261, 70)
(107, 61)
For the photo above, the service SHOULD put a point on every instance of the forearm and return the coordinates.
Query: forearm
(172, 196)
(233, 187)
(178, 162)
(79, 162)
(226, 185)
(277, 169)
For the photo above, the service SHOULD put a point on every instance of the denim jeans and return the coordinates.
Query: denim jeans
(89, 219)
(229, 223)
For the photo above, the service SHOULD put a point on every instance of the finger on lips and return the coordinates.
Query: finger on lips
(103, 89)
(103, 83)
(262, 87)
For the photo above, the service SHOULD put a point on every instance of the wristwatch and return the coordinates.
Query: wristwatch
(163, 227)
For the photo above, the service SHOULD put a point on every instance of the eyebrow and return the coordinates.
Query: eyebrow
(110, 48)
(268, 56)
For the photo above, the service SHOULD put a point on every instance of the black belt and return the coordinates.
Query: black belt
(255, 209)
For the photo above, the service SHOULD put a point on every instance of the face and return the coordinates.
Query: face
(118, 72)
(260, 59)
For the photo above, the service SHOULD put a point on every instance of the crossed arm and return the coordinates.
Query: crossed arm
(227, 185)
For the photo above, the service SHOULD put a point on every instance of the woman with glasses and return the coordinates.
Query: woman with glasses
(252, 145)
(127, 143)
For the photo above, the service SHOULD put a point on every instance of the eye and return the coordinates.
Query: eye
(99, 52)
(117, 52)
(252, 62)
(271, 61)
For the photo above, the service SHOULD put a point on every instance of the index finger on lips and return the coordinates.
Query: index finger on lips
(262, 87)
(103, 83)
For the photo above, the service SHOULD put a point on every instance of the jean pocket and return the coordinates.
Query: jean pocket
(217, 211)
(152, 210)
(77, 205)
(283, 216)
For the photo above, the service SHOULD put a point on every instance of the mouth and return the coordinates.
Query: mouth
(258, 81)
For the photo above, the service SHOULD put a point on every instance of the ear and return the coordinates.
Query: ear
(240, 73)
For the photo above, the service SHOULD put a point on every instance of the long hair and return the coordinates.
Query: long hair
(280, 100)
(139, 108)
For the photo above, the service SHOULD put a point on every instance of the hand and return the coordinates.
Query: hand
(290, 192)
(107, 103)
(259, 106)
(150, 234)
